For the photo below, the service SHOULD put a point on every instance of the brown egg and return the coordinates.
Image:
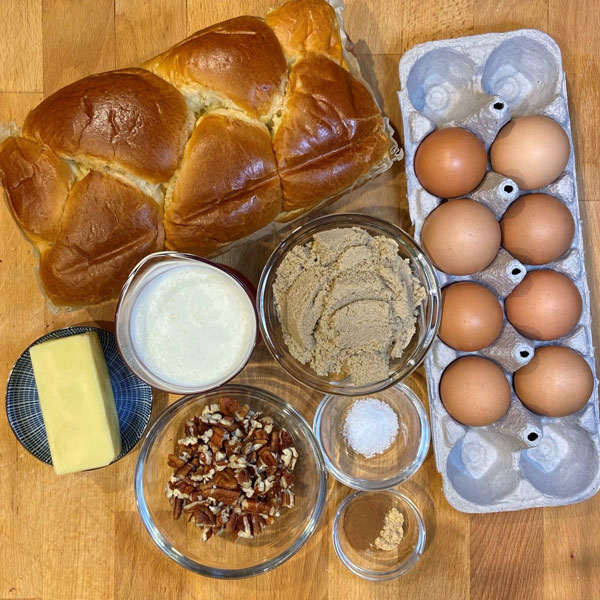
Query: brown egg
(556, 382)
(475, 391)
(545, 306)
(461, 236)
(450, 162)
(533, 151)
(537, 229)
(471, 316)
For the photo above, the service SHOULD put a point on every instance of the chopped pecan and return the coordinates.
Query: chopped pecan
(210, 518)
(256, 507)
(257, 524)
(287, 498)
(228, 424)
(177, 506)
(287, 478)
(228, 405)
(267, 457)
(216, 441)
(242, 476)
(231, 524)
(258, 444)
(241, 412)
(190, 428)
(199, 491)
(227, 497)
(205, 455)
(274, 491)
(233, 447)
(274, 443)
(234, 471)
(175, 462)
(285, 440)
(244, 531)
(200, 517)
(184, 470)
(260, 434)
(225, 479)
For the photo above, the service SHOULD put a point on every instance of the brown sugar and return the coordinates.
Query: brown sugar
(347, 303)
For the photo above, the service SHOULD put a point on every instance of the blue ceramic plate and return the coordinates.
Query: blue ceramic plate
(133, 397)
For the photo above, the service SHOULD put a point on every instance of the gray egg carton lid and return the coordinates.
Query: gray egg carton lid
(524, 460)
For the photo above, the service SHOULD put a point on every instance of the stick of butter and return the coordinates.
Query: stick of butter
(77, 402)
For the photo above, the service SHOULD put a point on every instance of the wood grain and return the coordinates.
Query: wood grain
(79, 537)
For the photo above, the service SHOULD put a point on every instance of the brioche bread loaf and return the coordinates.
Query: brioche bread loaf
(244, 124)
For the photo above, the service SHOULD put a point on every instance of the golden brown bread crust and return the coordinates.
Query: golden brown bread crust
(307, 27)
(330, 134)
(107, 227)
(230, 180)
(37, 183)
(129, 119)
(239, 59)
(227, 188)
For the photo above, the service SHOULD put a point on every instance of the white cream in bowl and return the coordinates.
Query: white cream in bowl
(193, 326)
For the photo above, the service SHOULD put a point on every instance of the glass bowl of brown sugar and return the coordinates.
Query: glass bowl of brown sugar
(378, 535)
(348, 304)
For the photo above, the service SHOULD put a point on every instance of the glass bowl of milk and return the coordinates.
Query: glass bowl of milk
(185, 324)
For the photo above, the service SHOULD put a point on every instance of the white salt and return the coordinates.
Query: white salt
(370, 427)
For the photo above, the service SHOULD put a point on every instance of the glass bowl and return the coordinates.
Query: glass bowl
(220, 556)
(396, 464)
(372, 564)
(428, 314)
(143, 273)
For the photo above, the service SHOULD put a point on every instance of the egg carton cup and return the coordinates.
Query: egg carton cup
(523, 460)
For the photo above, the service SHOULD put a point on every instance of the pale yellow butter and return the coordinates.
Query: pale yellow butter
(77, 402)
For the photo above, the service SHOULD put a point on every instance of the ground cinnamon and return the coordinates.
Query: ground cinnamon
(365, 521)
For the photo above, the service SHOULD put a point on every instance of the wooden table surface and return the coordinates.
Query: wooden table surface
(80, 536)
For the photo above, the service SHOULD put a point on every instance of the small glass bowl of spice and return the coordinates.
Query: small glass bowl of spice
(374, 442)
(378, 535)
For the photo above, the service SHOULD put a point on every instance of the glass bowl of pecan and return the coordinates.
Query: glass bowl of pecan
(230, 483)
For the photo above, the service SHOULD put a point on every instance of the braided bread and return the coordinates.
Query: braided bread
(242, 126)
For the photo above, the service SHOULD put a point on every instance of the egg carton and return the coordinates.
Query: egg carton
(523, 460)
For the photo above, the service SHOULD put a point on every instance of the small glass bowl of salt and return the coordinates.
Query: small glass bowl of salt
(373, 442)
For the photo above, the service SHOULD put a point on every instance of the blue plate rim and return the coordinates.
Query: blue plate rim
(42, 339)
